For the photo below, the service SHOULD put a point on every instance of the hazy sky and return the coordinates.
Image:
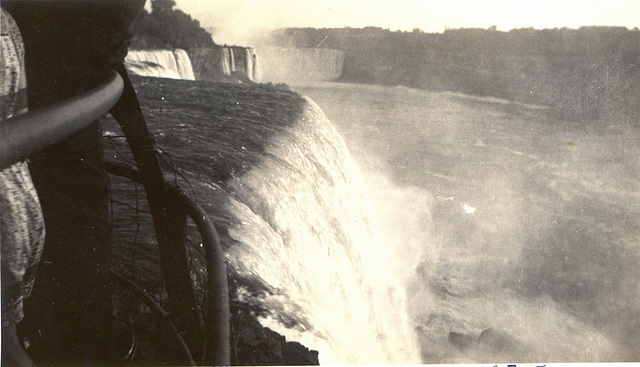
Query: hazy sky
(236, 20)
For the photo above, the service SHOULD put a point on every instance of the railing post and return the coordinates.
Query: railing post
(218, 321)
(169, 217)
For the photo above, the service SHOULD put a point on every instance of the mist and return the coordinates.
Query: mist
(237, 22)
(515, 234)
(506, 187)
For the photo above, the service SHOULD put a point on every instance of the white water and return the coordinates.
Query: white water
(300, 222)
(305, 228)
(226, 60)
(173, 64)
(533, 240)
(321, 250)
(213, 63)
(249, 56)
(305, 64)
(185, 70)
(296, 64)
(529, 226)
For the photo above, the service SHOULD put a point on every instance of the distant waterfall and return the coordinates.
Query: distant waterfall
(225, 61)
(243, 61)
(172, 64)
(249, 55)
(240, 63)
(300, 64)
(185, 70)
(257, 69)
(232, 59)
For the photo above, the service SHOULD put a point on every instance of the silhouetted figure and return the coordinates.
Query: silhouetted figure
(67, 319)
(21, 222)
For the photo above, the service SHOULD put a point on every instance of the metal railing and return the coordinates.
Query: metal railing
(25, 134)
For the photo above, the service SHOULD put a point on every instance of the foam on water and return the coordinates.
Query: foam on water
(531, 252)
(334, 273)
(172, 64)
(494, 234)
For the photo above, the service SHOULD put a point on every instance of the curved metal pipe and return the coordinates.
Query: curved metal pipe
(218, 321)
(169, 219)
(33, 131)
(157, 310)
(218, 316)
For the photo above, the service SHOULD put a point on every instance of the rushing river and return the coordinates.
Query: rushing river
(527, 225)
(463, 229)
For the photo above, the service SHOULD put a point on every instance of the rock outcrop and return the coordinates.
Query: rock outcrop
(225, 63)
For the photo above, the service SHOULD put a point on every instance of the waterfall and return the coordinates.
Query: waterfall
(249, 55)
(172, 64)
(232, 60)
(301, 64)
(214, 64)
(305, 228)
(225, 61)
(184, 64)
(257, 68)
(289, 65)
(294, 215)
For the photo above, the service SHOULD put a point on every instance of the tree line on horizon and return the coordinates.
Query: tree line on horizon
(166, 27)
(586, 73)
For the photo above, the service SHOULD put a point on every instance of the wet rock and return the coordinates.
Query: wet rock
(496, 340)
(461, 341)
(255, 345)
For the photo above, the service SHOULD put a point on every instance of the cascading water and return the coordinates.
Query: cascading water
(257, 68)
(172, 64)
(249, 55)
(301, 64)
(225, 61)
(523, 261)
(232, 60)
(185, 70)
(320, 249)
(296, 219)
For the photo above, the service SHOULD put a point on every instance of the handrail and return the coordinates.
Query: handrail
(23, 135)
(217, 323)
(26, 134)
(161, 314)
(168, 217)
(218, 320)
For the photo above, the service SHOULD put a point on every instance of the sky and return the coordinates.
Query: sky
(237, 20)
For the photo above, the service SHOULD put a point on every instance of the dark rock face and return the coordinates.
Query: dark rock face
(253, 344)
(497, 340)
(460, 341)
(232, 64)
(211, 104)
(207, 63)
